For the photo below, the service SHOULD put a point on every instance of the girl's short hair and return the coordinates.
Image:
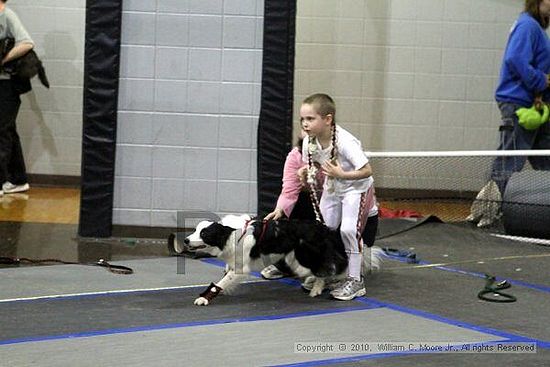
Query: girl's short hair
(324, 105)
(532, 7)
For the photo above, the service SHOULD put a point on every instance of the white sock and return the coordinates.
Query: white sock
(354, 265)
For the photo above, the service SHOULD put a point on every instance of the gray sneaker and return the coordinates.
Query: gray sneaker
(349, 289)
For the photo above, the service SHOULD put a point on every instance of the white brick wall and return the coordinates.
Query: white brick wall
(406, 74)
(50, 120)
(188, 109)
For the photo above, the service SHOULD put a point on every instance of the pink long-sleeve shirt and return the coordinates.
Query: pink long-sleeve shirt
(291, 182)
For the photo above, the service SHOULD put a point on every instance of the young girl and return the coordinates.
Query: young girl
(348, 193)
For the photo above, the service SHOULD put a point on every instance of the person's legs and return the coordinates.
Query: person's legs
(17, 172)
(9, 106)
(542, 141)
(352, 225)
(331, 210)
(370, 230)
(353, 220)
(512, 137)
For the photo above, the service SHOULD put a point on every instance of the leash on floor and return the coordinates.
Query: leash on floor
(115, 269)
(407, 255)
(490, 293)
(495, 290)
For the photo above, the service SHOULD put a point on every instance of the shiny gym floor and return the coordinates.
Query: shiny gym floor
(422, 309)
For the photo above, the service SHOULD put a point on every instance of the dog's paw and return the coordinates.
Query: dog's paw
(318, 287)
(315, 291)
(201, 301)
(472, 217)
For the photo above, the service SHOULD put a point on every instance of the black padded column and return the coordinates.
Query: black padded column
(275, 124)
(101, 75)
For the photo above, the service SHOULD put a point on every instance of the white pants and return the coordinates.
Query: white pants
(351, 213)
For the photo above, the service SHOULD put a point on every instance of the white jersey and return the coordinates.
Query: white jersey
(351, 157)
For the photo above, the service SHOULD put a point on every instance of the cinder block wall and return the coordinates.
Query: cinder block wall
(188, 109)
(407, 74)
(50, 120)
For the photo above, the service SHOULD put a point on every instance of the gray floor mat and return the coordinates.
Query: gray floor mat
(257, 343)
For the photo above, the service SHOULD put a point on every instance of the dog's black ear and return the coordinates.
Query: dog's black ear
(216, 234)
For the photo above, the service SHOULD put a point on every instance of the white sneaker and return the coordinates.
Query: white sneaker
(271, 272)
(10, 188)
(1, 193)
(350, 289)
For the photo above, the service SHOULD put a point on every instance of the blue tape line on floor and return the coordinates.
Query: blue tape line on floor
(537, 287)
(486, 330)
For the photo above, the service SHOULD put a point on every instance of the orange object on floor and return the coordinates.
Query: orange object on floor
(398, 213)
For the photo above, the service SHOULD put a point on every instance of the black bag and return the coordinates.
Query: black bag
(23, 68)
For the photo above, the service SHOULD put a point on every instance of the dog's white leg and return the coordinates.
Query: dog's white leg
(318, 287)
(229, 281)
(295, 266)
(305, 273)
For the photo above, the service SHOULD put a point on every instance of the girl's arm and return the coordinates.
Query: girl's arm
(291, 186)
(334, 170)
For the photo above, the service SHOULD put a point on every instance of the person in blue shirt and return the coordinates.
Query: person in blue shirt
(523, 82)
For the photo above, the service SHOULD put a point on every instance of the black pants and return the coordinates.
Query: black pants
(12, 164)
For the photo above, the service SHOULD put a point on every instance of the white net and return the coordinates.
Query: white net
(499, 190)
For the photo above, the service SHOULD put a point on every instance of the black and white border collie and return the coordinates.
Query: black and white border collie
(309, 248)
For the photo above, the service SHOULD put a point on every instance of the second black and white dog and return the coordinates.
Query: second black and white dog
(309, 248)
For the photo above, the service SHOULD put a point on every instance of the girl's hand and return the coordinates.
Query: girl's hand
(275, 215)
(302, 175)
(332, 169)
